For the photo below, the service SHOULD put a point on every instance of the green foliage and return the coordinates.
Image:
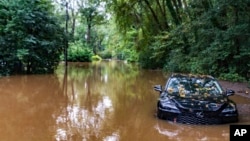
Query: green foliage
(92, 17)
(116, 47)
(232, 77)
(146, 61)
(30, 37)
(106, 54)
(207, 37)
(96, 58)
(78, 52)
(131, 55)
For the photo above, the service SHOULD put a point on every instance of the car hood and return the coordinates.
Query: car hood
(216, 103)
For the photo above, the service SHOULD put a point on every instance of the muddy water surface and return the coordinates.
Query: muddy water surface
(108, 101)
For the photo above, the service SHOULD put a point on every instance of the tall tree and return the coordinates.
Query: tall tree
(72, 16)
(179, 33)
(92, 15)
(31, 38)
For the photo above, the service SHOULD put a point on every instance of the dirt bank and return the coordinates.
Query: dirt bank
(239, 88)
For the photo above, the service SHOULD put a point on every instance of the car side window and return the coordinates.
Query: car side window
(172, 86)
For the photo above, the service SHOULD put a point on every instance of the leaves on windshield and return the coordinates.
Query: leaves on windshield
(189, 87)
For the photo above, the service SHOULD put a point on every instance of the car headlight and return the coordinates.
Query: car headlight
(168, 104)
(230, 108)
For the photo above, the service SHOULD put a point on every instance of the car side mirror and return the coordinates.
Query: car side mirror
(230, 92)
(158, 88)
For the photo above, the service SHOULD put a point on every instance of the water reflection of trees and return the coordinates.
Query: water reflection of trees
(91, 90)
(129, 92)
(107, 101)
(26, 105)
(116, 101)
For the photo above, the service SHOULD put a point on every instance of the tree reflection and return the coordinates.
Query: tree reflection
(26, 105)
(107, 101)
(114, 101)
(91, 91)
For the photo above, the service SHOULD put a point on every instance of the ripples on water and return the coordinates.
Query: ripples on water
(108, 101)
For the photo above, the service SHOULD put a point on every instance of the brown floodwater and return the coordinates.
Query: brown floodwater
(105, 101)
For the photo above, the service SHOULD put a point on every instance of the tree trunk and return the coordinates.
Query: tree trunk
(88, 33)
(154, 14)
(73, 14)
(163, 13)
(173, 12)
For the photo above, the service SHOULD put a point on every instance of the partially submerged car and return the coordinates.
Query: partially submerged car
(195, 99)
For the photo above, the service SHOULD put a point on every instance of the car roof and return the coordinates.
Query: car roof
(192, 75)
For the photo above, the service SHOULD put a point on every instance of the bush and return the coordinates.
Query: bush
(235, 77)
(77, 52)
(148, 62)
(106, 54)
(31, 39)
(96, 58)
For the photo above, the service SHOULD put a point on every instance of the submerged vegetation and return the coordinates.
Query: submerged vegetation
(190, 36)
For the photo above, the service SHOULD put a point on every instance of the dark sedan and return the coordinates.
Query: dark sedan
(195, 99)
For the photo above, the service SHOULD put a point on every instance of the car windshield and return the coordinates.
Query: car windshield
(186, 86)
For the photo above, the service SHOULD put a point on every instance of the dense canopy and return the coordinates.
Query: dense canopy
(197, 36)
(30, 37)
